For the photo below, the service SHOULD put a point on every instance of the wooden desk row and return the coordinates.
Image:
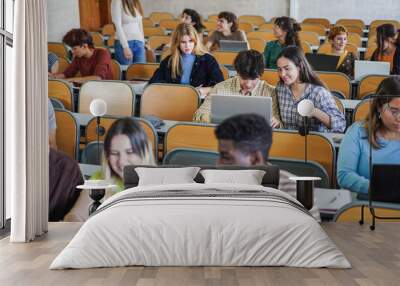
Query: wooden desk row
(321, 147)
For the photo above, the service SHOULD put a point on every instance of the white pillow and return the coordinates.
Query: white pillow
(166, 176)
(248, 177)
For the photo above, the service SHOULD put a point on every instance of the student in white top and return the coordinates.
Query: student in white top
(127, 18)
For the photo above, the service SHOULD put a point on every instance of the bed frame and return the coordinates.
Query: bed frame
(270, 179)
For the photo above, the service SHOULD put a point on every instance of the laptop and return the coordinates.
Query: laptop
(225, 106)
(385, 183)
(363, 68)
(321, 62)
(233, 46)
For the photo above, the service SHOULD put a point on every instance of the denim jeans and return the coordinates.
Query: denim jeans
(138, 51)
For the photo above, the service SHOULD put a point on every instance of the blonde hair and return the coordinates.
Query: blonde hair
(130, 5)
(175, 61)
(337, 30)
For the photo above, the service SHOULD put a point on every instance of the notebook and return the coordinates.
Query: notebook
(224, 106)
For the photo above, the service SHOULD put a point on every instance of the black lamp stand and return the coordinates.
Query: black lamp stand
(96, 194)
(305, 188)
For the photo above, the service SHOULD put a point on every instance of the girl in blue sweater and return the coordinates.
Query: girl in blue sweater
(353, 162)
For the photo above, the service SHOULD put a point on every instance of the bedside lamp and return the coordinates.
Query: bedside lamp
(98, 108)
(305, 185)
(305, 108)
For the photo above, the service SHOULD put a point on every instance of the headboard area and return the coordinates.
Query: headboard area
(270, 179)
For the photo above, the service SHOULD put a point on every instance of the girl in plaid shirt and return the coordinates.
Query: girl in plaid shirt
(297, 82)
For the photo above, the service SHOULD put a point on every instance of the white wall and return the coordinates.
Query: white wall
(266, 8)
(366, 10)
(333, 10)
(62, 16)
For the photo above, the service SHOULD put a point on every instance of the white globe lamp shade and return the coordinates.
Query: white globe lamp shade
(305, 108)
(98, 107)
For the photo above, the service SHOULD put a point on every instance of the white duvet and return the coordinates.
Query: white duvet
(208, 230)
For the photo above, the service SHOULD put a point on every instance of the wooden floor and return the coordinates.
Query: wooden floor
(374, 255)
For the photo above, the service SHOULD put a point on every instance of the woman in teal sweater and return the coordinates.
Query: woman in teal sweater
(353, 161)
(286, 31)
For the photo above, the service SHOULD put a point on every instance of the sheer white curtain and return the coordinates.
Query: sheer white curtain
(26, 123)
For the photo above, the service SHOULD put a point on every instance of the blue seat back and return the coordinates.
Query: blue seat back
(190, 157)
(89, 153)
(301, 168)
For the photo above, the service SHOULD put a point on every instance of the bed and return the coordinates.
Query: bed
(201, 224)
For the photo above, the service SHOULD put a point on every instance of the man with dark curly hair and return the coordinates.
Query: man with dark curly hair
(245, 140)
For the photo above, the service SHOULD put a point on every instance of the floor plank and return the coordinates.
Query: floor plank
(374, 255)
